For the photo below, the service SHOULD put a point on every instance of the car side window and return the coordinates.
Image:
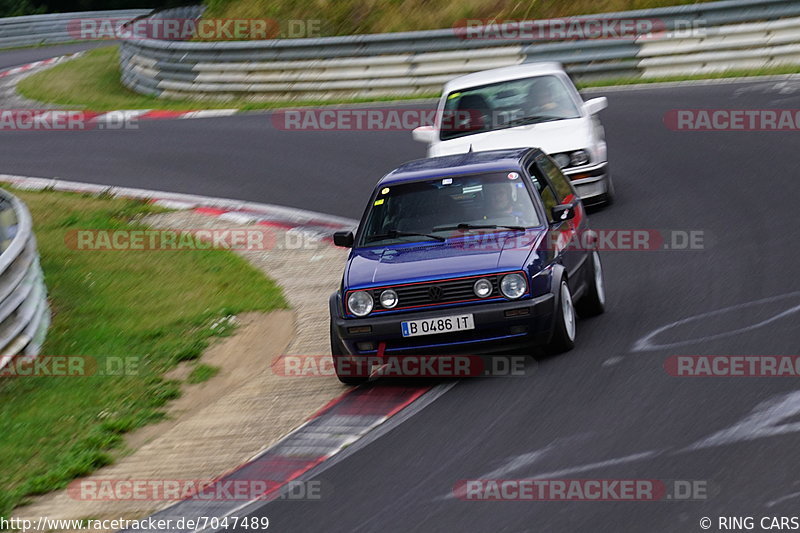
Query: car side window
(545, 191)
(560, 182)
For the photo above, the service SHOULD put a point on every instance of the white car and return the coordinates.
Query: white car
(528, 105)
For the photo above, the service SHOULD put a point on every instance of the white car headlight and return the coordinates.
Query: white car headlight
(360, 303)
(562, 160)
(513, 286)
(388, 298)
(578, 158)
(482, 288)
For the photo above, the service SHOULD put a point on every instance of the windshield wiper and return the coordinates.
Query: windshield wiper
(393, 233)
(477, 226)
(532, 120)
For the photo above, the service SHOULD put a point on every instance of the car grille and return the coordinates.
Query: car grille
(436, 292)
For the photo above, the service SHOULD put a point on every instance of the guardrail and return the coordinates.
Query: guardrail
(24, 313)
(698, 38)
(52, 28)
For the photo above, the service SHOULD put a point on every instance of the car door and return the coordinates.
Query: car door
(567, 233)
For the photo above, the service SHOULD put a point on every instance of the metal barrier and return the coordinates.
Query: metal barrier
(52, 28)
(698, 38)
(24, 313)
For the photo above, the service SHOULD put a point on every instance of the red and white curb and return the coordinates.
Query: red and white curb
(120, 116)
(342, 422)
(128, 115)
(239, 212)
(43, 63)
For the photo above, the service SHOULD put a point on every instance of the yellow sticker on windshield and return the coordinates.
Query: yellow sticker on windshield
(453, 95)
(378, 202)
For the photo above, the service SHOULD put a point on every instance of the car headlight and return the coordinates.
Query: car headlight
(513, 286)
(360, 303)
(578, 158)
(388, 298)
(482, 288)
(562, 160)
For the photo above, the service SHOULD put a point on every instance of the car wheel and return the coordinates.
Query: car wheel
(594, 301)
(337, 352)
(608, 196)
(563, 339)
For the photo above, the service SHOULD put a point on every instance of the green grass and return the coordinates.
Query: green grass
(92, 82)
(160, 307)
(348, 17)
(202, 373)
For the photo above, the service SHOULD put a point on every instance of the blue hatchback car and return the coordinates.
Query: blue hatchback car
(476, 253)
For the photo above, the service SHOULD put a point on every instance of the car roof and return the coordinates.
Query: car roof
(453, 165)
(495, 75)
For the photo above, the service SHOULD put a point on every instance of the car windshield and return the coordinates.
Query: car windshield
(505, 105)
(437, 209)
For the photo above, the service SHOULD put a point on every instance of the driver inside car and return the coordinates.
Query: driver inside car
(545, 99)
(501, 206)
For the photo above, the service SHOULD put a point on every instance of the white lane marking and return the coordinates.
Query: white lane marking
(782, 499)
(764, 421)
(513, 464)
(646, 343)
(600, 464)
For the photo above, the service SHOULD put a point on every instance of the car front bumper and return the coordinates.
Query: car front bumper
(591, 182)
(495, 331)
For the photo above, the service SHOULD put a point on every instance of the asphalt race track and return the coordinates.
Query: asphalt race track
(606, 410)
(20, 56)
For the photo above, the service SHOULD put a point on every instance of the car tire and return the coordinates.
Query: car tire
(563, 337)
(593, 303)
(608, 196)
(337, 352)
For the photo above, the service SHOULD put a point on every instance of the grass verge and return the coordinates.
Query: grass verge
(160, 308)
(350, 17)
(92, 82)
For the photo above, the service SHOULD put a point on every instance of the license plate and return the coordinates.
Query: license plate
(432, 326)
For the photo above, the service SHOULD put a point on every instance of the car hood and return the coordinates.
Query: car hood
(552, 137)
(434, 260)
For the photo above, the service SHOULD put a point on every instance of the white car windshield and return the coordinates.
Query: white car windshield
(505, 105)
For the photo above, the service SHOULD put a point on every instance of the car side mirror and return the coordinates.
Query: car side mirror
(595, 105)
(562, 212)
(344, 239)
(423, 134)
